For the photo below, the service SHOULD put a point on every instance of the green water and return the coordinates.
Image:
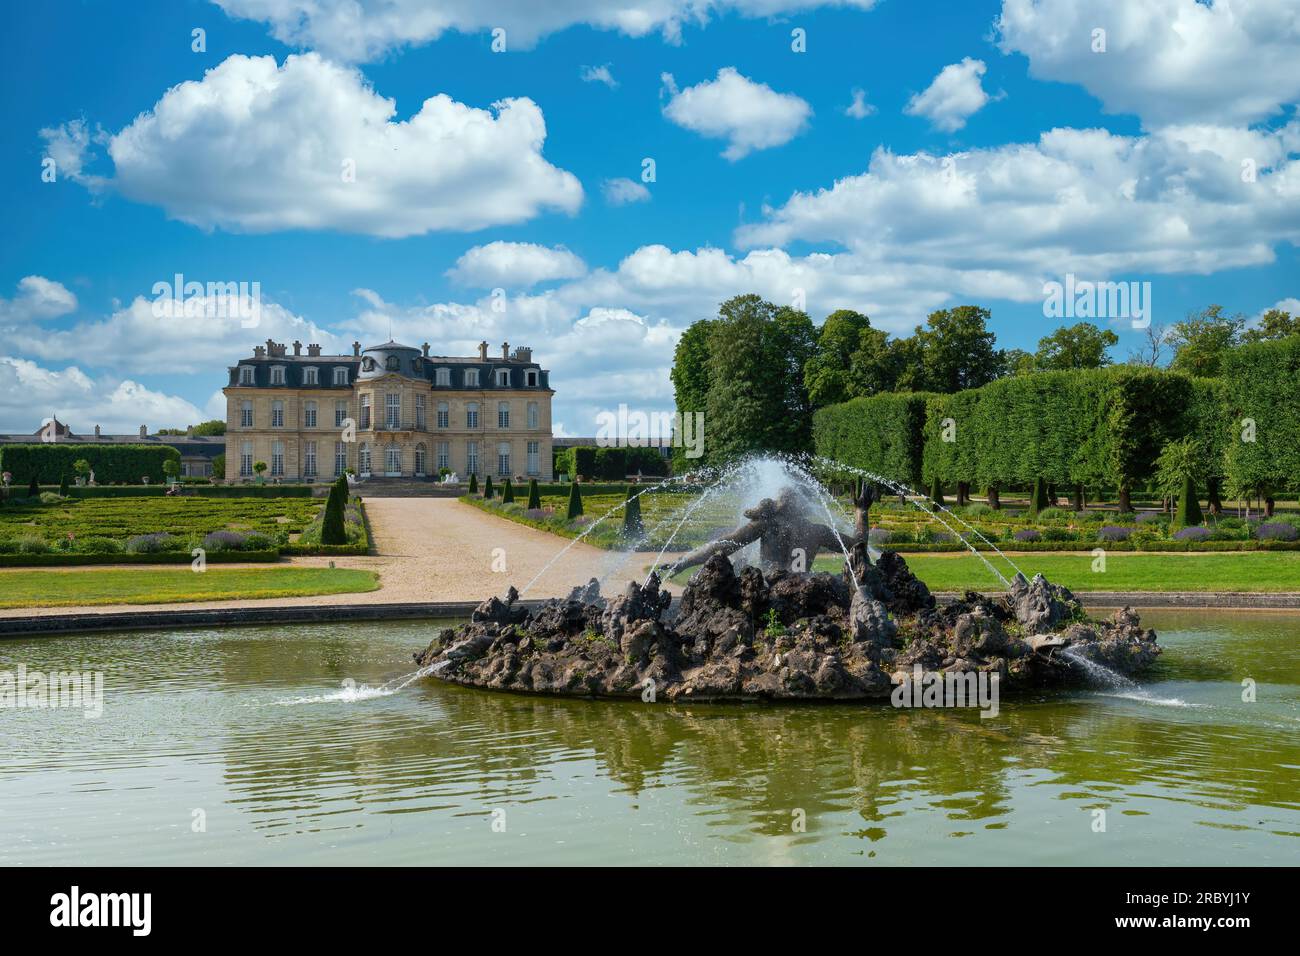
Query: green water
(250, 727)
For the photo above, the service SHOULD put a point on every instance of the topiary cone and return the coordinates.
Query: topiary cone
(534, 495)
(508, 493)
(473, 484)
(632, 526)
(575, 501)
(333, 529)
(936, 491)
(1189, 508)
(487, 488)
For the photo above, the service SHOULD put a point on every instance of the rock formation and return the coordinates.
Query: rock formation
(784, 636)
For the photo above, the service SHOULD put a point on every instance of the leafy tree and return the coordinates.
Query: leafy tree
(828, 375)
(1082, 345)
(333, 529)
(874, 365)
(1180, 467)
(534, 495)
(690, 377)
(1038, 498)
(259, 467)
(219, 466)
(575, 501)
(171, 467)
(211, 428)
(1273, 324)
(1201, 340)
(957, 349)
(1155, 340)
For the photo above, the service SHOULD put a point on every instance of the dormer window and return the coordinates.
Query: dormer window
(471, 378)
(443, 377)
(340, 375)
(530, 378)
(277, 374)
(311, 376)
(368, 364)
(416, 365)
(246, 374)
(392, 363)
(503, 378)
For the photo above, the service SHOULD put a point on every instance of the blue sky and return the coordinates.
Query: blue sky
(1122, 164)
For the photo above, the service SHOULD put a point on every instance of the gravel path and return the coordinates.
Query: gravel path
(431, 549)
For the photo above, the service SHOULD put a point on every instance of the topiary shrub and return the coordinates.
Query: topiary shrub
(487, 489)
(507, 493)
(534, 495)
(333, 528)
(632, 526)
(473, 484)
(575, 502)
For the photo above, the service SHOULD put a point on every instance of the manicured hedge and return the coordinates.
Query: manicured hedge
(1262, 384)
(881, 434)
(109, 462)
(611, 464)
(55, 559)
(1085, 547)
(197, 491)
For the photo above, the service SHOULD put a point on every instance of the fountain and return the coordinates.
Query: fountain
(766, 626)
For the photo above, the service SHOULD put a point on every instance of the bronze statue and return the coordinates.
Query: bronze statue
(787, 538)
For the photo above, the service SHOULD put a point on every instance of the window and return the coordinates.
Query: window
(471, 378)
(277, 459)
(392, 363)
(444, 455)
(309, 459)
(277, 374)
(363, 460)
(340, 413)
(533, 415)
(534, 458)
(503, 378)
(471, 458)
(442, 376)
(420, 455)
(444, 415)
(277, 414)
(471, 415)
(368, 364)
(530, 378)
(340, 375)
(503, 459)
(365, 411)
(311, 376)
(419, 412)
(393, 460)
(246, 374)
(245, 459)
(417, 365)
(503, 414)
(340, 458)
(245, 414)
(309, 415)
(393, 410)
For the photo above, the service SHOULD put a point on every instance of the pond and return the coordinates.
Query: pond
(262, 746)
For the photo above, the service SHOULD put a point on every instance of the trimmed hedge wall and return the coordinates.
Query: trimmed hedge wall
(611, 464)
(55, 559)
(880, 433)
(1263, 384)
(48, 462)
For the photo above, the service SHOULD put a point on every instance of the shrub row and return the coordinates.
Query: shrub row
(610, 464)
(59, 558)
(49, 462)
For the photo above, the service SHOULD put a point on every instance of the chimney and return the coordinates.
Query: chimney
(297, 347)
(523, 354)
(482, 351)
(259, 351)
(96, 431)
(505, 351)
(356, 348)
(144, 432)
(425, 347)
(313, 350)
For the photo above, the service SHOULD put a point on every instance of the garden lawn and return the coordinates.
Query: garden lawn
(181, 516)
(47, 588)
(1125, 571)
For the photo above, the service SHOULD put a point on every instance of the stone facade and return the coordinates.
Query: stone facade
(388, 411)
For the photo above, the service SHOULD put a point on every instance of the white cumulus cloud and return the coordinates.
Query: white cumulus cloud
(38, 298)
(515, 265)
(621, 191)
(952, 97)
(260, 147)
(747, 114)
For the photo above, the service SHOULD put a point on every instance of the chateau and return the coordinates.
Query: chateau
(388, 411)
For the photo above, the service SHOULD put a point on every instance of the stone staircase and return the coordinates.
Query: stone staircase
(407, 488)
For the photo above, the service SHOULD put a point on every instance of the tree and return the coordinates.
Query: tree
(936, 491)
(575, 501)
(829, 373)
(81, 467)
(874, 364)
(219, 466)
(756, 399)
(534, 495)
(690, 377)
(210, 428)
(171, 468)
(333, 529)
(1201, 340)
(1273, 324)
(957, 349)
(1155, 339)
(1082, 345)
(1179, 468)
(260, 468)
(632, 526)
(1038, 498)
